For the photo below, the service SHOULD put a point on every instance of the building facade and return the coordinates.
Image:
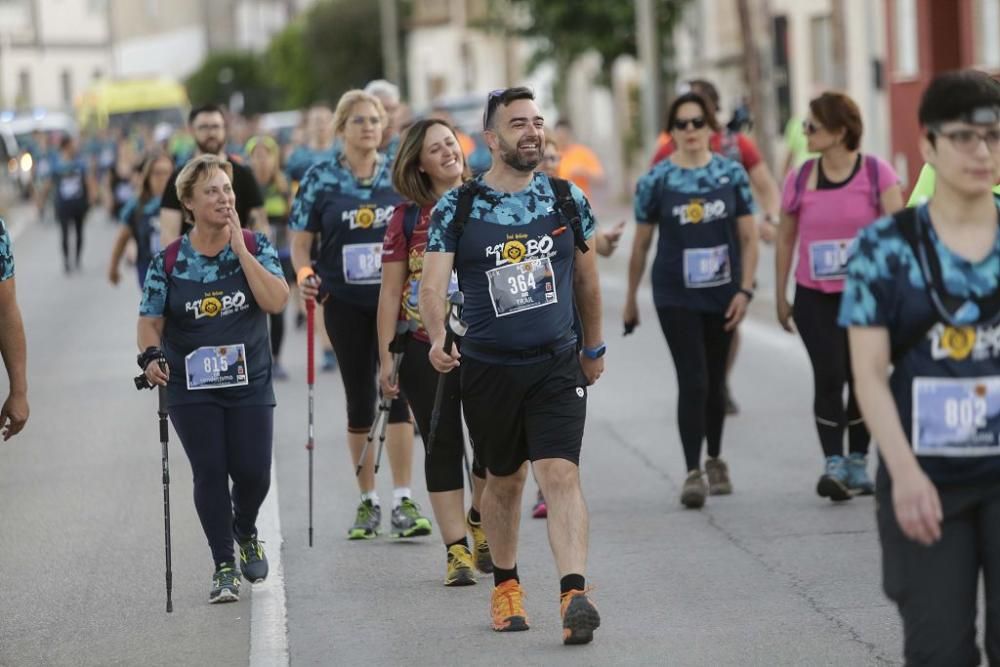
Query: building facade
(927, 37)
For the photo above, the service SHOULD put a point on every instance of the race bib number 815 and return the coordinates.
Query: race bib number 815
(216, 367)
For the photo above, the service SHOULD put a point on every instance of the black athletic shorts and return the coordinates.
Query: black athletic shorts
(525, 412)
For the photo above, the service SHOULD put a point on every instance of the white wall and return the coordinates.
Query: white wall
(174, 54)
(46, 68)
(73, 21)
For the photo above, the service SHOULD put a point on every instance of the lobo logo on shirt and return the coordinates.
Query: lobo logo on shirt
(961, 343)
(217, 304)
(698, 211)
(519, 247)
(366, 217)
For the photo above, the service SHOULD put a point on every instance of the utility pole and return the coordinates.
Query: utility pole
(389, 18)
(649, 58)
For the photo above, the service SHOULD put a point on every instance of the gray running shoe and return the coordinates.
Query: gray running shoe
(694, 490)
(253, 562)
(833, 483)
(225, 584)
(366, 522)
(858, 480)
(718, 477)
(407, 520)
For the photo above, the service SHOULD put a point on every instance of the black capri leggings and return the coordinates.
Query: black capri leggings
(223, 444)
(815, 315)
(699, 345)
(353, 334)
(75, 220)
(418, 380)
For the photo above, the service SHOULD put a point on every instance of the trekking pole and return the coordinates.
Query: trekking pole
(454, 327)
(310, 382)
(382, 419)
(141, 382)
(164, 437)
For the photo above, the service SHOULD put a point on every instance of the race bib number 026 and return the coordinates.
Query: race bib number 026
(828, 259)
(956, 416)
(707, 267)
(524, 286)
(216, 367)
(363, 264)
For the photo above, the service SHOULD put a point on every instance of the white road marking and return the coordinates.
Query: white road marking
(268, 612)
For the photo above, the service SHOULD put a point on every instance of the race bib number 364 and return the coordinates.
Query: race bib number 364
(524, 286)
(956, 416)
(216, 367)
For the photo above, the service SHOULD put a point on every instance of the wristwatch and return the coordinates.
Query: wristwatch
(595, 352)
(747, 293)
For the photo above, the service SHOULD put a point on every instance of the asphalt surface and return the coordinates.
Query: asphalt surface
(772, 575)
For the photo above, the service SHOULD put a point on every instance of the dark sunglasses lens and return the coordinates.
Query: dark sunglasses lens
(696, 123)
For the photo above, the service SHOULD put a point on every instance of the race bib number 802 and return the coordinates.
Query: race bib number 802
(956, 416)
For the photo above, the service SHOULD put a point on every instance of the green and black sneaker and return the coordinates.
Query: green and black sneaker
(407, 520)
(253, 562)
(366, 522)
(225, 584)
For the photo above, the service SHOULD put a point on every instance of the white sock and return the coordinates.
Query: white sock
(398, 495)
(372, 496)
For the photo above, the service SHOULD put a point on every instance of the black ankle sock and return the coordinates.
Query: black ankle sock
(464, 542)
(500, 575)
(572, 582)
(474, 515)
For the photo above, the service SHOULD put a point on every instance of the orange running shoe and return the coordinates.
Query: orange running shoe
(508, 608)
(579, 617)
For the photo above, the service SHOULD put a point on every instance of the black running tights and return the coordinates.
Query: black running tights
(223, 444)
(277, 332)
(815, 316)
(699, 345)
(66, 220)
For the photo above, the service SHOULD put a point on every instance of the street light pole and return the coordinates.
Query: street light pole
(649, 58)
(389, 18)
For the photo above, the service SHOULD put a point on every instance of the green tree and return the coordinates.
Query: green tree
(290, 67)
(563, 31)
(225, 73)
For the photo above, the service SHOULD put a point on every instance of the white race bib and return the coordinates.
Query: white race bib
(527, 285)
(956, 416)
(707, 267)
(828, 259)
(217, 367)
(363, 264)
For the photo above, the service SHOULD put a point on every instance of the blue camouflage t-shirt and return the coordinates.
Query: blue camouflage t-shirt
(198, 268)
(6, 254)
(505, 208)
(935, 362)
(698, 262)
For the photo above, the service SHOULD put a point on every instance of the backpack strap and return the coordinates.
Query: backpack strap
(799, 188)
(569, 211)
(463, 207)
(411, 218)
(871, 164)
(171, 251)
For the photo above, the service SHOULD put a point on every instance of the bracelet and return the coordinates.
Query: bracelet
(747, 293)
(304, 274)
(151, 353)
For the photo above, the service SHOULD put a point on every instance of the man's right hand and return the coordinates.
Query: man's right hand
(14, 415)
(442, 361)
(917, 506)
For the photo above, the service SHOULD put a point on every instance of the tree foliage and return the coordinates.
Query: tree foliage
(565, 31)
(224, 73)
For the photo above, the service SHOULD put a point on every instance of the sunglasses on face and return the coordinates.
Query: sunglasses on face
(684, 123)
(967, 140)
(810, 127)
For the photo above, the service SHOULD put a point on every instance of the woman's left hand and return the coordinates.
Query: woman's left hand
(737, 310)
(236, 241)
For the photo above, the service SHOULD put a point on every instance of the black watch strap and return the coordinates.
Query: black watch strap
(747, 293)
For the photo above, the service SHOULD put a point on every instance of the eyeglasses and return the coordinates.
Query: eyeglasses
(362, 120)
(810, 127)
(209, 128)
(685, 123)
(492, 102)
(967, 140)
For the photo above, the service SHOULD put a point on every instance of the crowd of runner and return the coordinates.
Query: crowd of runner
(448, 291)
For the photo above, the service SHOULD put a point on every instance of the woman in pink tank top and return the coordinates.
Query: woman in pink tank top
(825, 203)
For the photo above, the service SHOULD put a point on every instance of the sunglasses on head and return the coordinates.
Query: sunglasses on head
(492, 102)
(685, 123)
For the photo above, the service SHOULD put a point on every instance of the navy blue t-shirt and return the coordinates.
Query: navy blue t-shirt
(515, 262)
(698, 262)
(947, 384)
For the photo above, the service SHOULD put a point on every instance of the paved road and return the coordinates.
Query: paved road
(772, 575)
